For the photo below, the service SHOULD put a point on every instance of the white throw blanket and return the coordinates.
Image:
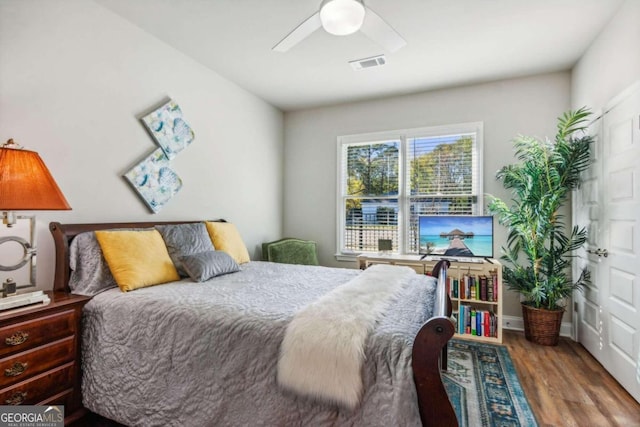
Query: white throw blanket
(324, 345)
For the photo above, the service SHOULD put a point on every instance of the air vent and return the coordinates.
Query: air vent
(374, 61)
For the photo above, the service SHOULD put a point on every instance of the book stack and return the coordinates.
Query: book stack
(474, 321)
(474, 287)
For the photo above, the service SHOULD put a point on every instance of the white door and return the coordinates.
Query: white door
(621, 236)
(587, 207)
(609, 315)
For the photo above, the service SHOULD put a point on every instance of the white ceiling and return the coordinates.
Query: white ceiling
(449, 43)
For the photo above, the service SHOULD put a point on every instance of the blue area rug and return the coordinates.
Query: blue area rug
(483, 386)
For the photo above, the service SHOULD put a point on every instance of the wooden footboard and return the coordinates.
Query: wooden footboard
(429, 346)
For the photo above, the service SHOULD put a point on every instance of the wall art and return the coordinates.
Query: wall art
(154, 180)
(168, 127)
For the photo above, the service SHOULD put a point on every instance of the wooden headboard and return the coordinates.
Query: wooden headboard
(64, 233)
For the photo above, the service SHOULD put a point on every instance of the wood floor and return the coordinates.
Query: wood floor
(566, 386)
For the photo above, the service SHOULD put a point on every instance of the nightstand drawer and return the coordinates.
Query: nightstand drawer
(40, 387)
(32, 333)
(21, 366)
(63, 398)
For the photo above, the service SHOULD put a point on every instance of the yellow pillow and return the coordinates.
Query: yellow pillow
(137, 258)
(225, 237)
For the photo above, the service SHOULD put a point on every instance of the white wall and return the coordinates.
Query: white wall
(74, 77)
(527, 105)
(612, 62)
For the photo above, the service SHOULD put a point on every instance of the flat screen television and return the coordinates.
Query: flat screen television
(456, 235)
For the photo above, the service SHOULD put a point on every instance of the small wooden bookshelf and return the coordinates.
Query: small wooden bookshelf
(474, 287)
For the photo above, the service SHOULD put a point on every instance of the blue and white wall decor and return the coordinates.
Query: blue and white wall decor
(169, 129)
(153, 178)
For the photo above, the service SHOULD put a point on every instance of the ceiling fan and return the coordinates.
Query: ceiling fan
(343, 17)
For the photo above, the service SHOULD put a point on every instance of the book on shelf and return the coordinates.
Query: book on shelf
(481, 324)
(493, 325)
(477, 322)
(490, 288)
(474, 321)
(486, 324)
(473, 289)
(483, 287)
(494, 278)
(466, 320)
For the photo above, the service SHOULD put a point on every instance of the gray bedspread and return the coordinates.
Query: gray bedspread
(205, 354)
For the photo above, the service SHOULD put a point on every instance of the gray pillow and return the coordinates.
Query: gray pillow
(185, 239)
(90, 273)
(205, 265)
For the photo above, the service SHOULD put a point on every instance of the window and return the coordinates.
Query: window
(386, 180)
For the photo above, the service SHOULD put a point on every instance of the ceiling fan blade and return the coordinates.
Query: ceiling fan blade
(301, 32)
(380, 32)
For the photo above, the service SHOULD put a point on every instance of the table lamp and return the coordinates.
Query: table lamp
(25, 185)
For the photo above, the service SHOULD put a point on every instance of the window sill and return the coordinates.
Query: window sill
(353, 257)
(346, 257)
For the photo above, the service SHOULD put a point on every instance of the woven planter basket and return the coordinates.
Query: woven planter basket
(542, 326)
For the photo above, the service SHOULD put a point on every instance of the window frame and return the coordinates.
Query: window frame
(404, 196)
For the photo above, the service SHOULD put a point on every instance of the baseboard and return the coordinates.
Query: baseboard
(516, 324)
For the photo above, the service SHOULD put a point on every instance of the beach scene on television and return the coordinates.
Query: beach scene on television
(455, 235)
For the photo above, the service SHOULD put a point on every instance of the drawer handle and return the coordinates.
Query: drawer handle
(17, 398)
(17, 369)
(17, 338)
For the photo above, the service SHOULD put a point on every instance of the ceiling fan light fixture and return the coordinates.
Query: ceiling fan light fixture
(342, 17)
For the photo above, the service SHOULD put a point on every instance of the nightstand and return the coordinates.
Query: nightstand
(40, 354)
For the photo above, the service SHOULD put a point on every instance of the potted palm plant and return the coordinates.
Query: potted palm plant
(540, 245)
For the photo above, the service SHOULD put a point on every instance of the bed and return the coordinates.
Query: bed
(187, 353)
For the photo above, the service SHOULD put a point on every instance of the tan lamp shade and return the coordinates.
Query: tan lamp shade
(26, 184)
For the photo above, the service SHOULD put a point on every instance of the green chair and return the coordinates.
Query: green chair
(291, 251)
